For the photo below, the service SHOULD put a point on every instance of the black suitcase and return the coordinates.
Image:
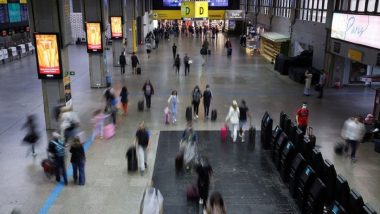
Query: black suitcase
(140, 105)
(209, 52)
(229, 52)
(338, 148)
(189, 113)
(311, 136)
(138, 71)
(214, 115)
(252, 135)
(377, 146)
(179, 162)
(132, 159)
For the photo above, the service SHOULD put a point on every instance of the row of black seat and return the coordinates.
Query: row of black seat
(312, 181)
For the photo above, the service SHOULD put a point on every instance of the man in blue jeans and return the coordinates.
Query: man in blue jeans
(57, 148)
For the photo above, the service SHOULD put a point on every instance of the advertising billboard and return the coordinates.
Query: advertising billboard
(94, 37)
(357, 29)
(48, 56)
(3, 14)
(211, 3)
(14, 12)
(116, 27)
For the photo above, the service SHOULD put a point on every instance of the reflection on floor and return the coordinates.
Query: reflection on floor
(243, 174)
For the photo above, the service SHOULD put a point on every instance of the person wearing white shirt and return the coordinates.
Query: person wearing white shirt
(353, 132)
(233, 118)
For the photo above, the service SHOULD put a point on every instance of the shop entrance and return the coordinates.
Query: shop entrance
(357, 71)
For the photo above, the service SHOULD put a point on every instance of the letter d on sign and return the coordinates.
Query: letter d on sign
(187, 11)
(201, 11)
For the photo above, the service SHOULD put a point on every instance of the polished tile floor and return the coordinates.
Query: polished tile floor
(109, 188)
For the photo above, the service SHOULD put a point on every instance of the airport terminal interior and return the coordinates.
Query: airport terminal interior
(64, 64)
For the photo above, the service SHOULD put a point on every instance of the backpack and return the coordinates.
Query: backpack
(197, 96)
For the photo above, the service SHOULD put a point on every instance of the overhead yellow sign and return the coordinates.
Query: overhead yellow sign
(216, 14)
(355, 55)
(3, 1)
(194, 9)
(23, 1)
(166, 14)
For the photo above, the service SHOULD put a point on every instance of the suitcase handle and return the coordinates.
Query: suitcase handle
(310, 131)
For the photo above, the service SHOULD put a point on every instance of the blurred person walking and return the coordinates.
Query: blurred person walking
(124, 99)
(122, 63)
(177, 64)
(57, 149)
(308, 77)
(148, 92)
(187, 62)
(204, 172)
(69, 124)
(78, 159)
(32, 135)
(321, 84)
(142, 142)
(243, 116)
(207, 96)
(173, 103)
(233, 118)
(353, 132)
(174, 50)
(148, 47)
(134, 62)
(196, 100)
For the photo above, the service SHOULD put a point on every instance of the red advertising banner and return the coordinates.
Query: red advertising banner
(94, 37)
(48, 56)
(116, 27)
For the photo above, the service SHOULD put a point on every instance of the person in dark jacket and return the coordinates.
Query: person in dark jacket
(57, 149)
(207, 96)
(32, 135)
(122, 62)
(174, 49)
(78, 159)
(124, 99)
(204, 172)
(148, 92)
(186, 61)
(177, 64)
(134, 62)
(197, 95)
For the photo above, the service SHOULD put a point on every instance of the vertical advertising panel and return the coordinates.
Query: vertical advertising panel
(188, 9)
(14, 12)
(201, 9)
(116, 27)
(94, 37)
(48, 56)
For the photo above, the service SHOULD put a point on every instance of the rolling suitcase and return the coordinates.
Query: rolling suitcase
(192, 192)
(109, 131)
(138, 70)
(377, 146)
(311, 136)
(214, 115)
(140, 105)
(132, 159)
(229, 52)
(252, 135)
(223, 133)
(189, 114)
(338, 148)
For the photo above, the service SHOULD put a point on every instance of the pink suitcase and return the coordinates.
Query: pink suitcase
(109, 131)
(223, 133)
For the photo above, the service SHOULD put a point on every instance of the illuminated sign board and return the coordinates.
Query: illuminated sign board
(48, 56)
(211, 3)
(94, 37)
(358, 29)
(3, 1)
(197, 9)
(116, 27)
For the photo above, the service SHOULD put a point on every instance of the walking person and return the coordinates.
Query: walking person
(57, 149)
(197, 95)
(134, 62)
(204, 172)
(207, 96)
(78, 159)
(243, 116)
(174, 50)
(302, 117)
(321, 84)
(148, 92)
(32, 135)
(203, 53)
(233, 118)
(353, 132)
(124, 99)
(156, 41)
(122, 63)
(177, 64)
(148, 47)
(308, 77)
(215, 204)
(142, 142)
(187, 62)
(173, 103)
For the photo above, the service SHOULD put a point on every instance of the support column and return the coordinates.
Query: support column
(369, 72)
(116, 9)
(130, 25)
(97, 11)
(53, 17)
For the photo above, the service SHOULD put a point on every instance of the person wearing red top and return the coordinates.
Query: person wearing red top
(302, 117)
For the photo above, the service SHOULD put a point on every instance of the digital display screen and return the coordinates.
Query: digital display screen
(94, 37)
(14, 12)
(116, 27)
(3, 13)
(211, 3)
(24, 12)
(48, 58)
(358, 29)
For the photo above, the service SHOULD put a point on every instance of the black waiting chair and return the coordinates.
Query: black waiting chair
(329, 178)
(336, 208)
(297, 167)
(315, 201)
(342, 191)
(317, 161)
(305, 181)
(355, 202)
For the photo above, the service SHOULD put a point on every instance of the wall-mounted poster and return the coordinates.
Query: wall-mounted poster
(3, 14)
(14, 12)
(116, 27)
(94, 37)
(48, 56)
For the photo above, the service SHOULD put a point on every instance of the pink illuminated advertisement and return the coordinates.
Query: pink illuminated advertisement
(358, 29)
